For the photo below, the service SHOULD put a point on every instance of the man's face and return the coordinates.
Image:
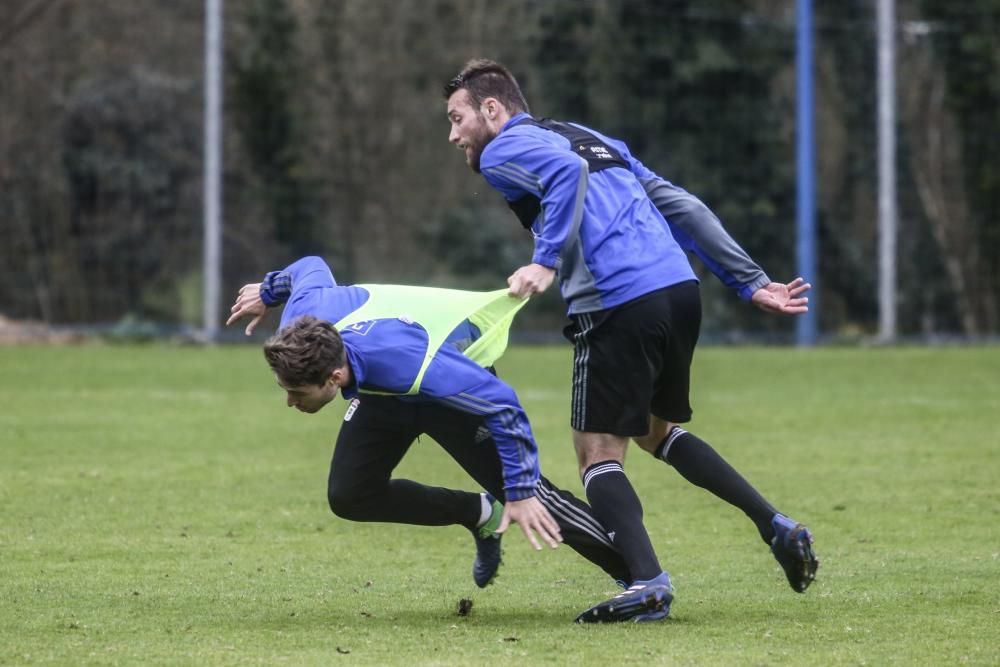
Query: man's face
(470, 130)
(310, 397)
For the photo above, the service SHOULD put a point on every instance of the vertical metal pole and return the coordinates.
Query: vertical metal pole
(887, 215)
(212, 211)
(806, 329)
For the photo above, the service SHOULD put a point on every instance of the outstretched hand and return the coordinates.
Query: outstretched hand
(248, 304)
(783, 299)
(533, 518)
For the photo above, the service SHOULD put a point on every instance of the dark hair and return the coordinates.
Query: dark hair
(305, 352)
(487, 78)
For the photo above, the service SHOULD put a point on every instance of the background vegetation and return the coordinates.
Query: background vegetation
(336, 145)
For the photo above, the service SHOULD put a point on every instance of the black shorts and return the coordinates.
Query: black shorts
(634, 360)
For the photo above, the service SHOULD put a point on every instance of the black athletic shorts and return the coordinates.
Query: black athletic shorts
(634, 360)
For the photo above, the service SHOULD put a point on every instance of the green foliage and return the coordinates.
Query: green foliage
(966, 43)
(266, 80)
(479, 246)
(690, 92)
(335, 144)
(125, 160)
(162, 506)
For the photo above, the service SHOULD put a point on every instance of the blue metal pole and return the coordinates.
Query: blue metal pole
(805, 247)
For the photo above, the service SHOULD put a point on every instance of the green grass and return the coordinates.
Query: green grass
(160, 505)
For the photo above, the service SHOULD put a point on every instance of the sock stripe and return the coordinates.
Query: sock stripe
(674, 434)
(601, 469)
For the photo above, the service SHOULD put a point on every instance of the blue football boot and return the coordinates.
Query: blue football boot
(792, 548)
(642, 601)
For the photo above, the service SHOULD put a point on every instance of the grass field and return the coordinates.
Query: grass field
(160, 505)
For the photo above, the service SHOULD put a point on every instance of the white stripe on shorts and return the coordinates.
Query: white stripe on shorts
(572, 515)
(581, 359)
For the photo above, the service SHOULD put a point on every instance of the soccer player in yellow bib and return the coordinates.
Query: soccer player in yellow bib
(414, 361)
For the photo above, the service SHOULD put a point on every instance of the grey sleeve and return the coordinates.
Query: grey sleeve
(698, 230)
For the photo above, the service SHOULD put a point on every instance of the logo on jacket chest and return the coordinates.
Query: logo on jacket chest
(599, 152)
(361, 328)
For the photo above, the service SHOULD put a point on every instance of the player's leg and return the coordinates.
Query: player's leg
(649, 595)
(466, 440)
(694, 459)
(377, 431)
(701, 465)
(698, 462)
(614, 501)
(612, 386)
(469, 443)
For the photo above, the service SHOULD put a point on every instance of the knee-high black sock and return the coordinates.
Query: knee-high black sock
(701, 465)
(617, 507)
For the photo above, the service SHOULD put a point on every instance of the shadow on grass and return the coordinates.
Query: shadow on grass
(529, 618)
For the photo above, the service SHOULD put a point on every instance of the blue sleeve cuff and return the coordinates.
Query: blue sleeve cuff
(519, 492)
(276, 288)
(746, 292)
(548, 258)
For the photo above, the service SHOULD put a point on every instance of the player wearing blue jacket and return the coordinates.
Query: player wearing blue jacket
(401, 386)
(615, 234)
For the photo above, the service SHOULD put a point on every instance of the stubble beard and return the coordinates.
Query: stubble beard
(477, 146)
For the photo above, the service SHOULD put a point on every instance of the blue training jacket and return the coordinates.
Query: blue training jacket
(613, 234)
(385, 356)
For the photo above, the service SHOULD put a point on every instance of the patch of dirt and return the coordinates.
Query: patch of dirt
(30, 332)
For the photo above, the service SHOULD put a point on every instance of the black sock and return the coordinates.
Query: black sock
(617, 507)
(701, 465)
